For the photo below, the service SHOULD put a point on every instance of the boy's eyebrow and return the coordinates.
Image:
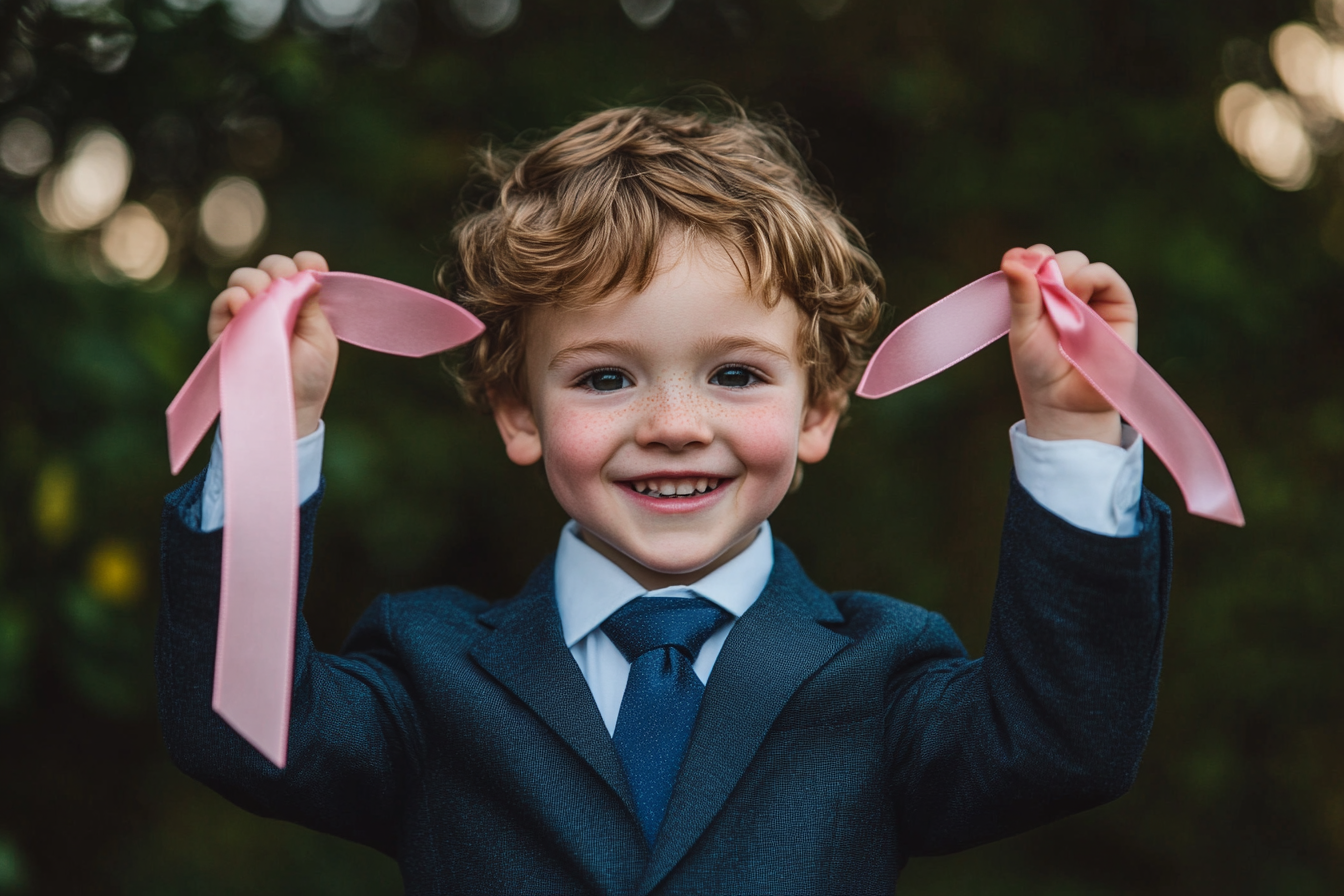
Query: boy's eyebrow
(710, 345)
(723, 345)
(616, 347)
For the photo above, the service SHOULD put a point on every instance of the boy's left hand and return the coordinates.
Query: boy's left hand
(1058, 402)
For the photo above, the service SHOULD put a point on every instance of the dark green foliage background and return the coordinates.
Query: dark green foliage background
(951, 130)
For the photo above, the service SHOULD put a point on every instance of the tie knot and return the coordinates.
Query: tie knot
(647, 623)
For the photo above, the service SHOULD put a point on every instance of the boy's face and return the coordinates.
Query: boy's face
(692, 382)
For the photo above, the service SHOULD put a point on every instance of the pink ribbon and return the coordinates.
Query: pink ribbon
(245, 380)
(961, 324)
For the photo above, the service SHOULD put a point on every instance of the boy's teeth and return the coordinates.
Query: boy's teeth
(680, 488)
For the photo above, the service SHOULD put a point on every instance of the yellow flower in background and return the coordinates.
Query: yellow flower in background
(115, 573)
(54, 502)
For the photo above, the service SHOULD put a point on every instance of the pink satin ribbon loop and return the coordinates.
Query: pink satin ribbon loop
(941, 336)
(974, 316)
(245, 380)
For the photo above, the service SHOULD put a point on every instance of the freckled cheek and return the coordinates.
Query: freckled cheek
(575, 448)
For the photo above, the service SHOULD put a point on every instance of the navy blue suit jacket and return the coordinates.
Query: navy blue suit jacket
(839, 733)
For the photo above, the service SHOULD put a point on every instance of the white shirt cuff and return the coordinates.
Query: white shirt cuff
(309, 452)
(1090, 484)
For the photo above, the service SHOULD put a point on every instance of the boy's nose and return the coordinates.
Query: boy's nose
(673, 419)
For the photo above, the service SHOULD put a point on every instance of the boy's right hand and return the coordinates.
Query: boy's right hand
(312, 350)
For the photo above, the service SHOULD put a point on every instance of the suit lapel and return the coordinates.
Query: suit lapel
(771, 651)
(527, 654)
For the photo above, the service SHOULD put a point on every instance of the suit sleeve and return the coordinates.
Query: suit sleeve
(1054, 717)
(353, 735)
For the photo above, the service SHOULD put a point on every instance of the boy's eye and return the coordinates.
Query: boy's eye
(606, 380)
(733, 377)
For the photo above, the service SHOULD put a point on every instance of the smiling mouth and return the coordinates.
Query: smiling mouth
(674, 488)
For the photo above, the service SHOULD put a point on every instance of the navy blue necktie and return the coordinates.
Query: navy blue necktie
(661, 637)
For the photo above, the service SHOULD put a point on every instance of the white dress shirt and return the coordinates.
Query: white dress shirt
(1089, 484)
(309, 451)
(589, 588)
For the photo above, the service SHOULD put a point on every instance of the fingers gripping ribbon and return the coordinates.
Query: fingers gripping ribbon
(245, 380)
(958, 326)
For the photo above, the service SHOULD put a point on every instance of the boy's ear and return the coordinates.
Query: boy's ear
(819, 422)
(518, 427)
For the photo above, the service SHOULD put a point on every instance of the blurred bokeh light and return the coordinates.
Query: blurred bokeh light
(336, 14)
(1282, 135)
(233, 217)
(1305, 62)
(55, 507)
(1265, 127)
(89, 185)
(647, 13)
(485, 17)
(189, 6)
(134, 242)
(251, 19)
(25, 146)
(115, 574)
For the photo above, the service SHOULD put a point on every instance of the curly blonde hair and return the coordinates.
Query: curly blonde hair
(584, 213)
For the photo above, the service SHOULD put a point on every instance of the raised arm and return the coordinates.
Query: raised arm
(353, 732)
(352, 729)
(1054, 717)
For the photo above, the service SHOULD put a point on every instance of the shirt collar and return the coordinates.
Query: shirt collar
(589, 587)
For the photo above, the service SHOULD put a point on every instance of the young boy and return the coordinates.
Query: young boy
(675, 313)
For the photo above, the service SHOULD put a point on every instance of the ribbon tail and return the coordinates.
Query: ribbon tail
(943, 334)
(392, 318)
(193, 409)
(254, 655)
(1147, 402)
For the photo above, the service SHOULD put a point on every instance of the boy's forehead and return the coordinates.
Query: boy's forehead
(688, 268)
(690, 301)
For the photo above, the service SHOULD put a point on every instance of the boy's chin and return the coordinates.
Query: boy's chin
(689, 559)
(688, 563)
